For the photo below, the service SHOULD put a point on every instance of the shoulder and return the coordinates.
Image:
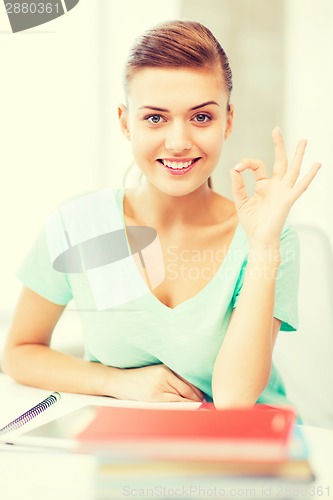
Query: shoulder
(87, 206)
(84, 217)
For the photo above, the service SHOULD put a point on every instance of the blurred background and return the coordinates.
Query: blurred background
(61, 84)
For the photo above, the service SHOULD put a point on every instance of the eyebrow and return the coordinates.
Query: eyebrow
(154, 108)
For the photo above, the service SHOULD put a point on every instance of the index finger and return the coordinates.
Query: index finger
(186, 389)
(194, 388)
(280, 156)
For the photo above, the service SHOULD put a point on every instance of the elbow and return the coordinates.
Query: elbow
(229, 401)
(244, 395)
(10, 363)
(224, 402)
(7, 362)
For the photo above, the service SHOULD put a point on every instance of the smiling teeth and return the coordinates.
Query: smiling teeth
(177, 164)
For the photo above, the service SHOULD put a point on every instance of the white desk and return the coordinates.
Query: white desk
(36, 475)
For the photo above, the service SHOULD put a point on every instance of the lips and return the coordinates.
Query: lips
(178, 164)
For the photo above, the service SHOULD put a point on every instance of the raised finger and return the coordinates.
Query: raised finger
(304, 183)
(280, 156)
(257, 166)
(238, 189)
(295, 166)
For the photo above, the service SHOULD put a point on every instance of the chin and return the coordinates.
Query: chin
(182, 189)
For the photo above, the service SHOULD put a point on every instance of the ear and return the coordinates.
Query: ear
(230, 121)
(123, 120)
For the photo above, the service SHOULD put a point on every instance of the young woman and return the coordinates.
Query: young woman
(181, 291)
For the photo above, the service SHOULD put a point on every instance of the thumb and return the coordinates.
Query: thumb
(238, 188)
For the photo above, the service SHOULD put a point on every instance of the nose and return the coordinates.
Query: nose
(178, 137)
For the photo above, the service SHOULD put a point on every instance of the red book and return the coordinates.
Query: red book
(258, 434)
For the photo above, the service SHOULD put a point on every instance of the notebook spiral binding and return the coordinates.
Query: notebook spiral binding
(30, 414)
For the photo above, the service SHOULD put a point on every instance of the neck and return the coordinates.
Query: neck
(158, 209)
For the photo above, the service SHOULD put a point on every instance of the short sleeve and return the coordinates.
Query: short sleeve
(38, 274)
(286, 290)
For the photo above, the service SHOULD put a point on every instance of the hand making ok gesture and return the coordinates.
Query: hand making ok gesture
(264, 214)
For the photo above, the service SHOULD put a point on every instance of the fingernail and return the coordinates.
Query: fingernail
(237, 167)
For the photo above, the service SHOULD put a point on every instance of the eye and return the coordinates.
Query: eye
(202, 118)
(154, 119)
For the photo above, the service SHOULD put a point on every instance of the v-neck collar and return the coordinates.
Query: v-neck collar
(229, 257)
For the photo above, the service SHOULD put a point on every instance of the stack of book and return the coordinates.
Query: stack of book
(162, 453)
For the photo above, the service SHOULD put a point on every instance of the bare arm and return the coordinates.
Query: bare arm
(29, 359)
(243, 364)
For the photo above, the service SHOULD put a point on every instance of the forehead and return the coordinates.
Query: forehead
(173, 87)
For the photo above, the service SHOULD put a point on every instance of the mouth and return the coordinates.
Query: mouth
(178, 164)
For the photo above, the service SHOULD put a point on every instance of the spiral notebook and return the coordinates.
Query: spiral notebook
(30, 414)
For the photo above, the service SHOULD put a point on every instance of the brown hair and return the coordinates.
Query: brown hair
(178, 44)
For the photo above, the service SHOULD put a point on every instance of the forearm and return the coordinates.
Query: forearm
(40, 366)
(243, 364)
(37, 365)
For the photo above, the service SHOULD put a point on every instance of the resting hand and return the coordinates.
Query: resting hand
(264, 214)
(156, 383)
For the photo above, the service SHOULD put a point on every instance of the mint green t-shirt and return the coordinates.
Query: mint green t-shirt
(124, 324)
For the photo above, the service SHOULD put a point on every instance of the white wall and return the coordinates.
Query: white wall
(47, 128)
(308, 101)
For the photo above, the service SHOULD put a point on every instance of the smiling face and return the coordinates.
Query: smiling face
(177, 121)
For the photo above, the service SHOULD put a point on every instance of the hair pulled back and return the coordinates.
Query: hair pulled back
(178, 44)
